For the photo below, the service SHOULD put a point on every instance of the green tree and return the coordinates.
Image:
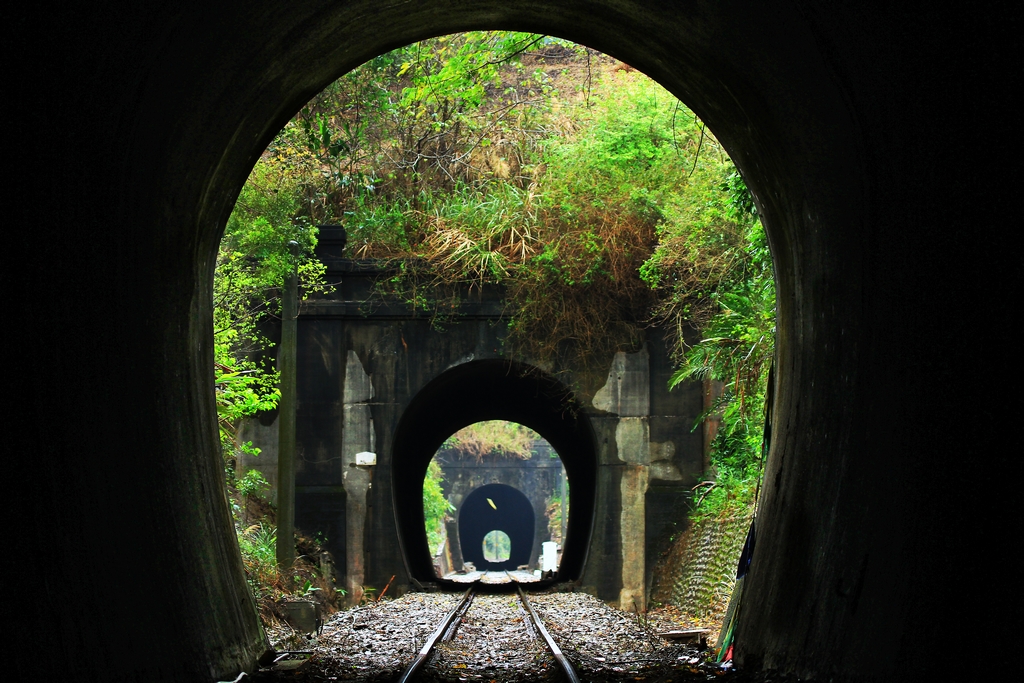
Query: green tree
(737, 332)
(596, 199)
(494, 437)
(251, 265)
(418, 120)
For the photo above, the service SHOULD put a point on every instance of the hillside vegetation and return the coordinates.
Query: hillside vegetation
(597, 200)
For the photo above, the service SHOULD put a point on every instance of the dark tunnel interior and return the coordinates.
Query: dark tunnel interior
(496, 507)
(878, 143)
(493, 390)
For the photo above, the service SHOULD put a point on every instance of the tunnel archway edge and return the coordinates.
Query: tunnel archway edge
(480, 519)
(832, 113)
(493, 389)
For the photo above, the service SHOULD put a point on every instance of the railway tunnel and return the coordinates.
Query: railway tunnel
(496, 507)
(494, 389)
(538, 476)
(839, 118)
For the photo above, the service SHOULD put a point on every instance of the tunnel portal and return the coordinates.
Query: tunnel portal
(833, 115)
(494, 389)
(379, 378)
(496, 507)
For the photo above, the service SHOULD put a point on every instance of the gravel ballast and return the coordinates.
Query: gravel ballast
(496, 643)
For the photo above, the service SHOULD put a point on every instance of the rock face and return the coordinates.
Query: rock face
(854, 126)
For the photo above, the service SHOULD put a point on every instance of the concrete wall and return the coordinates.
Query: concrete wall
(649, 459)
(363, 359)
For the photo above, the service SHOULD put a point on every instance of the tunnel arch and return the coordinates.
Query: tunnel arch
(833, 115)
(493, 389)
(512, 513)
(708, 57)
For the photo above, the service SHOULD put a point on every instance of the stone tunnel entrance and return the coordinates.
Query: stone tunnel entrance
(384, 382)
(494, 498)
(496, 507)
(494, 389)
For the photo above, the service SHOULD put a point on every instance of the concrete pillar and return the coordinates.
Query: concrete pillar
(538, 499)
(454, 545)
(633, 488)
(632, 438)
(627, 393)
(357, 436)
(451, 527)
(564, 506)
(286, 419)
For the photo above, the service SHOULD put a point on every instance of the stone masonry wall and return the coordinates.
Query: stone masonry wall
(698, 572)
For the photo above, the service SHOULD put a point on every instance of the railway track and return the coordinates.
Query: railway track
(449, 625)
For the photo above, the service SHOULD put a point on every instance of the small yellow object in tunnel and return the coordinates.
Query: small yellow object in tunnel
(492, 503)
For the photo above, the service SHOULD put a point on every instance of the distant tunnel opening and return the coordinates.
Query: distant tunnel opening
(496, 474)
(494, 390)
(497, 546)
(496, 508)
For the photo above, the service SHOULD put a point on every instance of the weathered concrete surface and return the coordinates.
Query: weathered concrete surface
(357, 436)
(632, 527)
(365, 362)
(628, 389)
(645, 481)
(857, 126)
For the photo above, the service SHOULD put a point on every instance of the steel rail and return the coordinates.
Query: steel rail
(556, 651)
(443, 632)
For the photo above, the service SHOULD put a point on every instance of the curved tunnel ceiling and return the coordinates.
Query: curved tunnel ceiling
(838, 117)
(493, 390)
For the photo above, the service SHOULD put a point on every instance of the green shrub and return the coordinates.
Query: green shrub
(435, 506)
(258, 545)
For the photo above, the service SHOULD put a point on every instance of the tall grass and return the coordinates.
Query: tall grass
(258, 544)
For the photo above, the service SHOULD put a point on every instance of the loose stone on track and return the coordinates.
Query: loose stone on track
(606, 643)
(495, 642)
(377, 642)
